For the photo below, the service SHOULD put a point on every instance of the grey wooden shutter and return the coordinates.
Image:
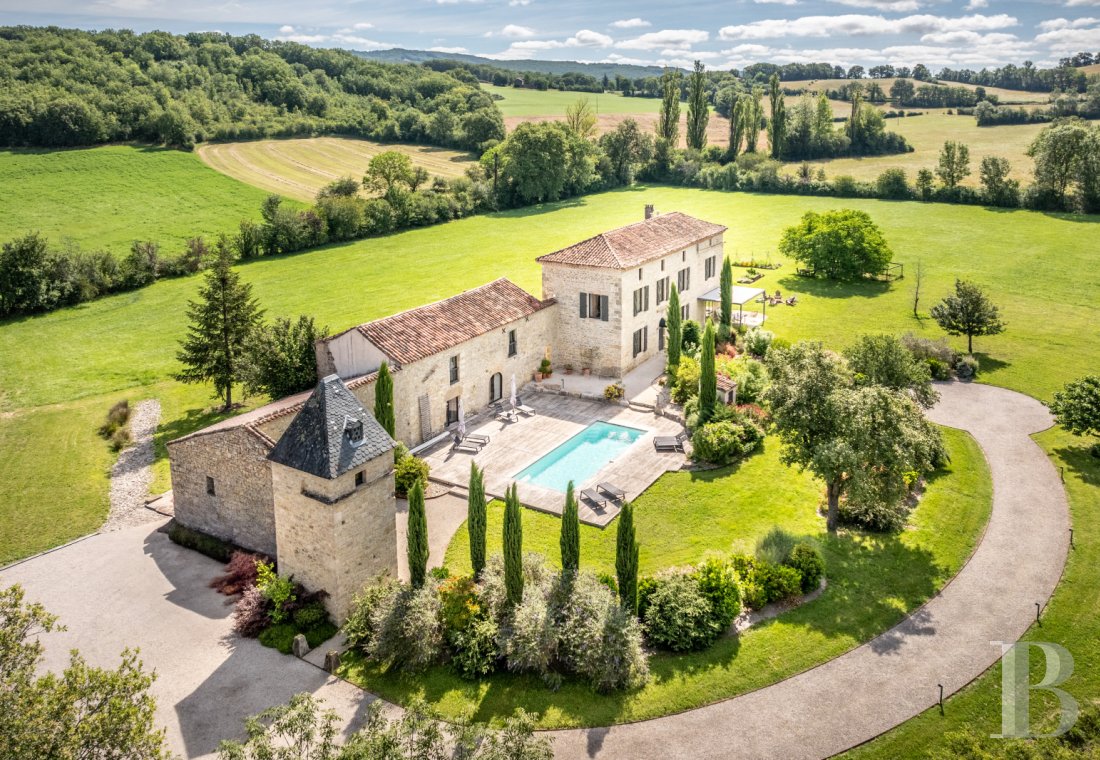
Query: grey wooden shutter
(603, 308)
(645, 339)
(584, 305)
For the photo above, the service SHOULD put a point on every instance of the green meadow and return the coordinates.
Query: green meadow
(108, 197)
(522, 102)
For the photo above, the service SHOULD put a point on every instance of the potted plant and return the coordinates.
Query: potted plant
(544, 369)
(569, 369)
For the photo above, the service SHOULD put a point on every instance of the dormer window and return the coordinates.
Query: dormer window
(353, 431)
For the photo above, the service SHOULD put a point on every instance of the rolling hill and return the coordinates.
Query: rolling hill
(401, 55)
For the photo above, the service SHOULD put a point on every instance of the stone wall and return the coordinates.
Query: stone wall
(586, 343)
(241, 508)
(334, 535)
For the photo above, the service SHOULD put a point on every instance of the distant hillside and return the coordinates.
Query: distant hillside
(400, 55)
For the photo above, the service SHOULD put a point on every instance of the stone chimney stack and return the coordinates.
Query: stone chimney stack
(649, 212)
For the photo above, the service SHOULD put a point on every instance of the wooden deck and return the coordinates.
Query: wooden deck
(515, 445)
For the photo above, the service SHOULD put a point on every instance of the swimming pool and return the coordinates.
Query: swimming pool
(581, 457)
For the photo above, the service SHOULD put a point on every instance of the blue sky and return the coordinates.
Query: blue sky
(955, 33)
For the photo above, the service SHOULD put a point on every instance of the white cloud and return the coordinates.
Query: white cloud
(630, 23)
(1064, 23)
(966, 38)
(345, 38)
(440, 49)
(853, 24)
(776, 2)
(678, 39)
(513, 32)
(889, 6)
(588, 38)
(515, 3)
(1079, 3)
(585, 38)
(286, 29)
(1071, 40)
(975, 4)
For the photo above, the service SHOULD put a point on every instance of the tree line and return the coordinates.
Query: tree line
(66, 87)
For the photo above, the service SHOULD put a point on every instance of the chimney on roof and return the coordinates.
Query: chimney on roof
(649, 212)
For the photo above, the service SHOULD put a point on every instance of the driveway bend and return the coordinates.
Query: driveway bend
(871, 689)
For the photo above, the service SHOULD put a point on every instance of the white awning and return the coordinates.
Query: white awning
(740, 295)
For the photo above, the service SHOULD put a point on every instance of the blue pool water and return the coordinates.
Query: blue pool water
(581, 457)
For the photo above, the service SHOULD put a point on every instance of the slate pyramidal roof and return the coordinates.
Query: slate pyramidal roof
(637, 243)
(317, 441)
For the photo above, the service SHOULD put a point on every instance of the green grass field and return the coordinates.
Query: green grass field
(873, 581)
(521, 102)
(108, 197)
(1005, 96)
(298, 168)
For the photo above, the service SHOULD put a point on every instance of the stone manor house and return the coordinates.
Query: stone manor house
(308, 479)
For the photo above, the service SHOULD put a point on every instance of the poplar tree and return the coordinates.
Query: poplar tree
(383, 399)
(417, 536)
(698, 114)
(777, 125)
(737, 126)
(513, 547)
(725, 287)
(675, 332)
(476, 518)
(570, 533)
(668, 123)
(626, 560)
(221, 323)
(708, 380)
(754, 112)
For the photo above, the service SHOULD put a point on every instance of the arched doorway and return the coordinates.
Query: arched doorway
(496, 388)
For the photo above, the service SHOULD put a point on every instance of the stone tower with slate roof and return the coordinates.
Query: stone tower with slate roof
(333, 488)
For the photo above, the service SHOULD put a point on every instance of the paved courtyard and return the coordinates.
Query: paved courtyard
(515, 445)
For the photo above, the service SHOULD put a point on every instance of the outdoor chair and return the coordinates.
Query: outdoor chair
(523, 408)
(792, 301)
(463, 445)
(613, 491)
(477, 438)
(596, 498)
(670, 442)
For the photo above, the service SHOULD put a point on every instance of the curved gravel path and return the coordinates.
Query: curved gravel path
(132, 473)
(855, 697)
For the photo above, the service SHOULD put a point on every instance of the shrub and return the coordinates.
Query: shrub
(529, 642)
(758, 340)
(691, 336)
(750, 375)
(117, 417)
(240, 573)
(687, 380)
(938, 369)
(725, 442)
(718, 583)
(754, 595)
(927, 348)
(407, 471)
(360, 628)
(614, 392)
(120, 439)
(678, 616)
(280, 637)
(966, 367)
(252, 613)
(310, 616)
(776, 546)
(617, 661)
(277, 590)
(319, 634)
(474, 649)
(408, 631)
(778, 582)
(875, 514)
(807, 560)
(212, 547)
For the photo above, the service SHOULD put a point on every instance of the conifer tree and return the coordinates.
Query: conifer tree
(475, 519)
(626, 560)
(668, 123)
(737, 125)
(513, 547)
(383, 399)
(777, 125)
(570, 533)
(698, 110)
(675, 332)
(754, 113)
(725, 287)
(221, 323)
(708, 380)
(417, 536)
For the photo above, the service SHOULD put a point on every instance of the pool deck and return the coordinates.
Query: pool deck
(515, 445)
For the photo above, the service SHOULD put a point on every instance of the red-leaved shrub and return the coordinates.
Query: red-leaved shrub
(240, 573)
(252, 614)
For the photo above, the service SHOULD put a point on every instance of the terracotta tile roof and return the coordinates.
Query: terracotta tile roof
(725, 383)
(428, 330)
(636, 243)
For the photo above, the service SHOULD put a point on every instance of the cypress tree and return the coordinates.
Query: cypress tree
(383, 399)
(513, 547)
(675, 332)
(475, 519)
(708, 379)
(626, 560)
(725, 285)
(417, 535)
(777, 125)
(221, 323)
(570, 533)
(698, 110)
(668, 124)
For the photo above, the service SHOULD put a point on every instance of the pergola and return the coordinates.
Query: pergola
(740, 296)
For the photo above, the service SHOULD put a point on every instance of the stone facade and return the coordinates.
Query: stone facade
(241, 508)
(333, 534)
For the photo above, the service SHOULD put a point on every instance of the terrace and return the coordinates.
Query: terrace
(516, 445)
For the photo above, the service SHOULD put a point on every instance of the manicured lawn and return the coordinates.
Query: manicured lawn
(1040, 268)
(108, 197)
(298, 168)
(523, 102)
(873, 581)
(1070, 619)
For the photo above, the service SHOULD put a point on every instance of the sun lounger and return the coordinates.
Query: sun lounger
(670, 442)
(524, 409)
(477, 438)
(469, 446)
(597, 499)
(506, 415)
(612, 490)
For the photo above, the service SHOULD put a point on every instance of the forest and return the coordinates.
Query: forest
(66, 87)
